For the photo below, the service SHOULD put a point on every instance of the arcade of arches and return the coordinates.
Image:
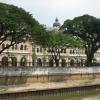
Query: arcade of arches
(12, 61)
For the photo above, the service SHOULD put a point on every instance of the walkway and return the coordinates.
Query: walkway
(93, 98)
(42, 86)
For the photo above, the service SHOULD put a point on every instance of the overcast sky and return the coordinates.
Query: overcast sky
(45, 11)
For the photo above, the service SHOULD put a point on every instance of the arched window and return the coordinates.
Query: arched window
(63, 63)
(65, 50)
(14, 61)
(37, 49)
(73, 51)
(21, 47)
(7, 45)
(16, 47)
(39, 62)
(51, 63)
(62, 50)
(3, 46)
(5, 62)
(40, 49)
(23, 61)
(70, 51)
(25, 47)
(71, 62)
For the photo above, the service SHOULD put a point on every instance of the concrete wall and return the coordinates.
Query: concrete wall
(11, 80)
(31, 75)
(31, 71)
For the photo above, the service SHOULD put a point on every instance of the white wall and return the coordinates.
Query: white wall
(47, 71)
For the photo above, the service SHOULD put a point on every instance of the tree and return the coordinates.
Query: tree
(56, 43)
(15, 25)
(87, 28)
(40, 36)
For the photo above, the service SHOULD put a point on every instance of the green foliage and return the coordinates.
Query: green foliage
(15, 24)
(52, 39)
(56, 42)
(61, 40)
(40, 36)
(87, 28)
(34, 56)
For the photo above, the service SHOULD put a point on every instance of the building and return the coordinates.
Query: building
(24, 54)
(27, 63)
(16, 55)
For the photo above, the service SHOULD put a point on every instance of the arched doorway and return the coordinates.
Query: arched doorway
(39, 62)
(72, 62)
(78, 63)
(23, 61)
(33, 62)
(82, 62)
(57, 62)
(63, 63)
(51, 63)
(14, 61)
(5, 61)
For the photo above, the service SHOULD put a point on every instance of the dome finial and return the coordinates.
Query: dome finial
(56, 20)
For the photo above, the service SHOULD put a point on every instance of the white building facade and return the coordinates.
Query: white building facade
(26, 54)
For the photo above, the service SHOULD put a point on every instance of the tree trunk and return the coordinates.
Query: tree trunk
(90, 57)
(57, 62)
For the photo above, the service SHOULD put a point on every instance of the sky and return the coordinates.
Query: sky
(45, 11)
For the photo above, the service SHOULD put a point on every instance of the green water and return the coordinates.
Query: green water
(70, 96)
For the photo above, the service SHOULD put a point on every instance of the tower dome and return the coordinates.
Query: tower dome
(56, 25)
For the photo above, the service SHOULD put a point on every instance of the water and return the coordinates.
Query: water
(70, 96)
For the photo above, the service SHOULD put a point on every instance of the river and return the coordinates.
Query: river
(71, 96)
